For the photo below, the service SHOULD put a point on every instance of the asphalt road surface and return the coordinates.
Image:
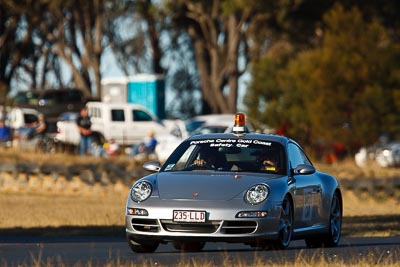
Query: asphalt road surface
(107, 250)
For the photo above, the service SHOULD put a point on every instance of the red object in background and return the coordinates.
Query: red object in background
(339, 150)
(281, 130)
(331, 158)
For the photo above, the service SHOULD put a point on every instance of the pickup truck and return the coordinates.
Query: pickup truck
(126, 123)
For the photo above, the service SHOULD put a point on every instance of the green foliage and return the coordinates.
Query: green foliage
(344, 91)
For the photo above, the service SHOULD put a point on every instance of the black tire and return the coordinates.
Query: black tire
(285, 225)
(332, 238)
(189, 246)
(143, 246)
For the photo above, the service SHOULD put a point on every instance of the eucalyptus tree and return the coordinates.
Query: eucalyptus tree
(21, 46)
(77, 38)
(221, 35)
(344, 89)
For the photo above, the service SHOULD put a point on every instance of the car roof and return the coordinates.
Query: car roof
(26, 110)
(115, 105)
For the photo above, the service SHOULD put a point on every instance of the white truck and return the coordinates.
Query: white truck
(126, 123)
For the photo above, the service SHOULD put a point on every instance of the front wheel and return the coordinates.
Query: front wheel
(331, 239)
(142, 246)
(285, 225)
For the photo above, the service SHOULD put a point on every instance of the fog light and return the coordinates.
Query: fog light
(252, 214)
(139, 212)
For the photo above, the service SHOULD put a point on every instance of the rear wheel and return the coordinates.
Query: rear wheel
(331, 239)
(189, 246)
(285, 225)
(142, 246)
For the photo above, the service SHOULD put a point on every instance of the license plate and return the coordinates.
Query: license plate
(189, 216)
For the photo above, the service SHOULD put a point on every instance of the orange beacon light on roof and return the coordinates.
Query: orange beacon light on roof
(240, 122)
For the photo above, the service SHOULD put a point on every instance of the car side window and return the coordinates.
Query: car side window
(94, 112)
(297, 156)
(30, 118)
(117, 115)
(140, 115)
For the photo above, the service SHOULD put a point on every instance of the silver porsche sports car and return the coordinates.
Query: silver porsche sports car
(256, 189)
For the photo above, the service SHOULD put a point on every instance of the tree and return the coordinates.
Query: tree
(152, 45)
(7, 41)
(134, 33)
(19, 46)
(218, 32)
(77, 38)
(39, 36)
(336, 92)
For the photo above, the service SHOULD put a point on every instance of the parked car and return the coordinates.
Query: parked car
(27, 98)
(211, 123)
(385, 153)
(179, 130)
(22, 117)
(52, 102)
(126, 123)
(22, 123)
(389, 155)
(257, 189)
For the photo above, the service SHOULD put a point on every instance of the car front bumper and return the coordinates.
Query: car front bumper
(221, 225)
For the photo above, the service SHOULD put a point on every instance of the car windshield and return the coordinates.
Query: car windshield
(236, 155)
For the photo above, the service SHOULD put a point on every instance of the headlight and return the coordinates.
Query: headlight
(257, 194)
(141, 191)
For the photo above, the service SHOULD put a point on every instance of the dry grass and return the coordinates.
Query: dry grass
(353, 205)
(17, 156)
(347, 169)
(33, 210)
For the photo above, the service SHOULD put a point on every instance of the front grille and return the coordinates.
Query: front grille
(145, 225)
(238, 227)
(198, 228)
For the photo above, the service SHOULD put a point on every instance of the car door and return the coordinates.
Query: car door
(308, 192)
(115, 126)
(143, 123)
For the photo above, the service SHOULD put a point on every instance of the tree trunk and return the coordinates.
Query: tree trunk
(217, 37)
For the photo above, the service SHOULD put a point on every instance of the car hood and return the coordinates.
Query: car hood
(206, 185)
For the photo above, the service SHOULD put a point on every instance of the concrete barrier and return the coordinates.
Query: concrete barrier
(83, 179)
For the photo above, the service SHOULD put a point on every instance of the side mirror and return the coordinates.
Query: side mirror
(304, 169)
(152, 166)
